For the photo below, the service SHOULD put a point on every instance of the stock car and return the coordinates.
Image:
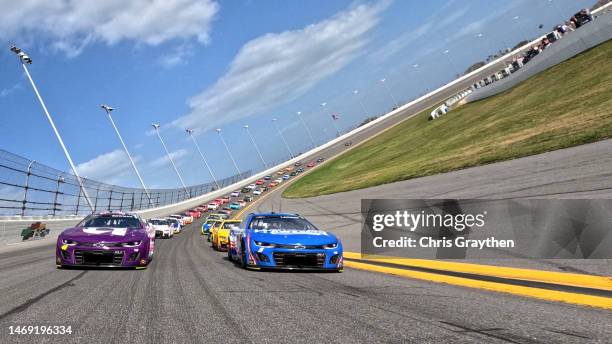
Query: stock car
(284, 241)
(235, 193)
(174, 224)
(107, 239)
(208, 224)
(187, 219)
(220, 234)
(161, 227)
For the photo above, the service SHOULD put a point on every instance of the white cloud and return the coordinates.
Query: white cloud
(278, 67)
(111, 168)
(178, 56)
(6, 91)
(176, 155)
(115, 168)
(71, 25)
(438, 20)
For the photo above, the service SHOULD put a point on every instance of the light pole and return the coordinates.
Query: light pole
(156, 127)
(25, 59)
(108, 111)
(365, 112)
(299, 113)
(246, 126)
(190, 132)
(282, 137)
(334, 118)
(384, 82)
(228, 151)
(450, 61)
(416, 72)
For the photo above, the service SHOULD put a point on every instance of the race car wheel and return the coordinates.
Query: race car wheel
(243, 261)
(229, 256)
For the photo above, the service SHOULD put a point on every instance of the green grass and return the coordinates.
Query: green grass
(567, 105)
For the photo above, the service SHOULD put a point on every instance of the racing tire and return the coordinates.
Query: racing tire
(243, 261)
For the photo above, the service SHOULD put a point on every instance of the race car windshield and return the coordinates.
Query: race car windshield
(230, 225)
(281, 223)
(159, 222)
(112, 222)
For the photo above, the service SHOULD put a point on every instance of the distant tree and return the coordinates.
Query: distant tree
(474, 67)
(368, 120)
(520, 44)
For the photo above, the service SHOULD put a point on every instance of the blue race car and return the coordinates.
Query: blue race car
(284, 241)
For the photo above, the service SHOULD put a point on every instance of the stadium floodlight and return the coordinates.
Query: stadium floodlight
(333, 117)
(282, 136)
(26, 60)
(22, 55)
(299, 113)
(190, 133)
(156, 127)
(227, 150)
(246, 127)
(365, 112)
(384, 82)
(108, 109)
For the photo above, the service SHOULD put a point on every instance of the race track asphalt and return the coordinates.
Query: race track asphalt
(192, 294)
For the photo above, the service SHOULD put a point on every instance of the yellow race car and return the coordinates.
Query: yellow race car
(220, 234)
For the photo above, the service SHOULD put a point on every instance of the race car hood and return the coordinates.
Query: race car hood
(293, 237)
(101, 234)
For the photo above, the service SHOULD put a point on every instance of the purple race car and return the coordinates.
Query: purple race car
(109, 239)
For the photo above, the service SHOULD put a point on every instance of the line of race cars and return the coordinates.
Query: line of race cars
(268, 240)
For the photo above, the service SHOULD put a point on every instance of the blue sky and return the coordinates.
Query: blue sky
(207, 64)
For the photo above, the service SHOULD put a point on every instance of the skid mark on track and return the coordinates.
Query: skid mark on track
(22, 307)
(567, 333)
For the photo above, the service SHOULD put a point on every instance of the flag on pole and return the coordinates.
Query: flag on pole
(335, 117)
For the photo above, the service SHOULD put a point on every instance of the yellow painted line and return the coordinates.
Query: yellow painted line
(561, 278)
(543, 294)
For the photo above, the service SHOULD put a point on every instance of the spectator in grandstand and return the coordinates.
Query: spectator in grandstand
(544, 43)
(581, 18)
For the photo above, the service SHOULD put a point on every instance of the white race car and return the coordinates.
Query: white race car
(257, 192)
(213, 206)
(162, 228)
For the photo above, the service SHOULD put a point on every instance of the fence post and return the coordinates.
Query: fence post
(157, 199)
(78, 201)
(26, 186)
(121, 203)
(60, 180)
(110, 199)
(140, 203)
(97, 195)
